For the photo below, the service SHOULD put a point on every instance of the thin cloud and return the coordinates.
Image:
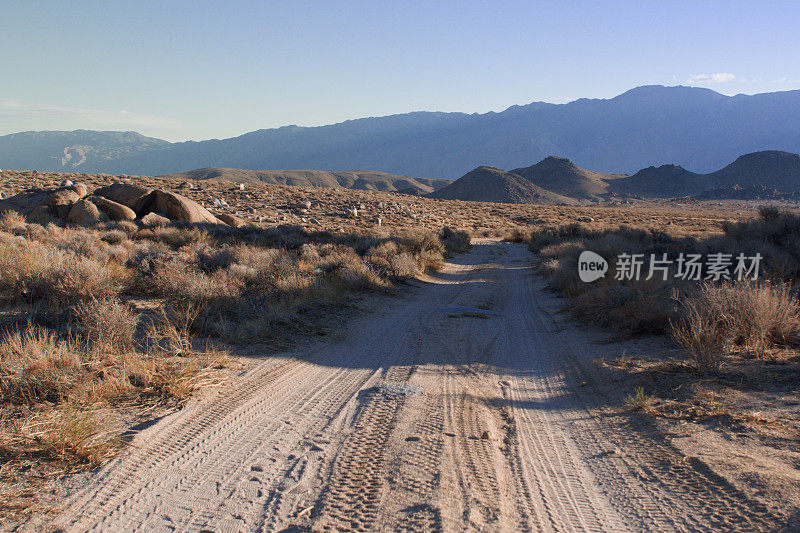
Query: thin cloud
(719, 77)
(15, 108)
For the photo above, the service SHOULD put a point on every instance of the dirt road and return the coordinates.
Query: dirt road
(464, 405)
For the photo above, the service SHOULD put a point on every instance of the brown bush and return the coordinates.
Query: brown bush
(455, 241)
(700, 335)
(108, 325)
(756, 316)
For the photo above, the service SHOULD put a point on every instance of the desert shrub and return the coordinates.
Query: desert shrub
(128, 227)
(752, 315)
(700, 335)
(114, 237)
(81, 278)
(422, 243)
(180, 281)
(175, 236)
(402, 265)
(210, 259)
(13, 222)
(455, 241)
(30, 270)
(65, 433)
(636, 309)
(108, 325)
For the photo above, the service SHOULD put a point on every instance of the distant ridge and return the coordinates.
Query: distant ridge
(696, 128)
(353, 179)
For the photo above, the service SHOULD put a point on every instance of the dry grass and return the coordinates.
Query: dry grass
(74, 351)
(700, 335)
(753, 316)
(709, 320)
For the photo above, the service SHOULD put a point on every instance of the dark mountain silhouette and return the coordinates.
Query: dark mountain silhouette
(666, 181)
(652, 125)
(489, 184)
(757, 175)
(562, 176)
(760, 175)
(353, 179)
(771, 168)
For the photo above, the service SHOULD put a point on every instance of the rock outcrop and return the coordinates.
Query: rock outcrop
(131, 196)
(112, 209)
(176, 207)
(120, 201)
(85, 213)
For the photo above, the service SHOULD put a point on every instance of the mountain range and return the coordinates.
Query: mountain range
(647, 126)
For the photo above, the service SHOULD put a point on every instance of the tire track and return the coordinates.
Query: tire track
(453, 410)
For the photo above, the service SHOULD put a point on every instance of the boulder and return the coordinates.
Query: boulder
(58, 201)
(230, 220)
(112, 209)
(177, 207)
(80, 188)
(84, 212)
(131, 196)
(154, 219)
(62, 196)
(42, 215)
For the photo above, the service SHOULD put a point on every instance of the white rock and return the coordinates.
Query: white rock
(66, 183)
(241, 186)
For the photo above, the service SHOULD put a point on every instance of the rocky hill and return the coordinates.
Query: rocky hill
(489, 184)
(753, 175)
(562, 176)
(665, 181)
(772, 168)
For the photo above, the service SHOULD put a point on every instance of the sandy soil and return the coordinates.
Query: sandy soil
(464, 405)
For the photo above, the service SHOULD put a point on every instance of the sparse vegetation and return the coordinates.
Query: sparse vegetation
(93, 320)
(708, 319)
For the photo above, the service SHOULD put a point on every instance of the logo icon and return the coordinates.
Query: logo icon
(591, 266)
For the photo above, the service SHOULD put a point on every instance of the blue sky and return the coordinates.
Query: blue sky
(195, 69)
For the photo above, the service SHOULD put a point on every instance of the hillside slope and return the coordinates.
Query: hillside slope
(562, 176)
(354, 179)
